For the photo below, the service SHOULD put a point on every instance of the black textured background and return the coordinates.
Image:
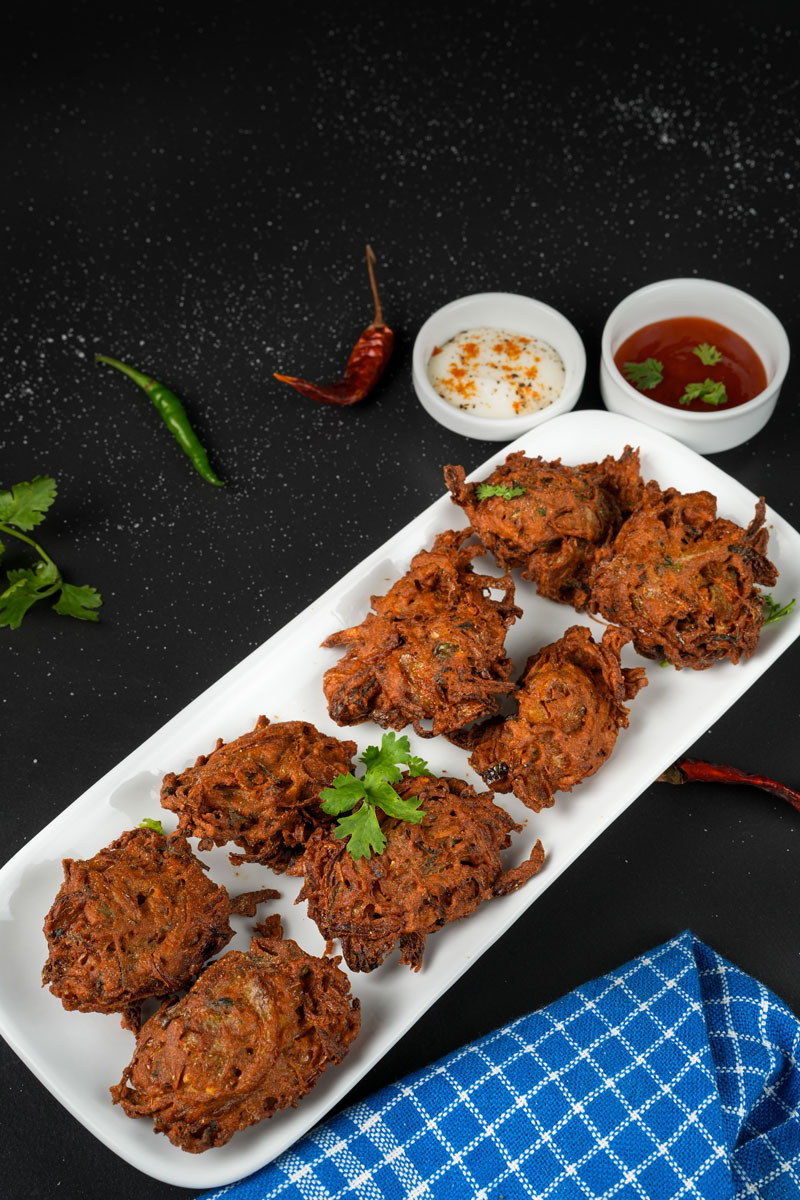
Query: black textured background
(193, 195)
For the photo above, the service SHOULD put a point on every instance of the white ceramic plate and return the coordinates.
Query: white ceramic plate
(79, 1055)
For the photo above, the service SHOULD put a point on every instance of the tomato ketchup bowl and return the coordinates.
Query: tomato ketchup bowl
(506, 362)
(680, 388)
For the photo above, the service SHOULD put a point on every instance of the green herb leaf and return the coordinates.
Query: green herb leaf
(152, 823)
(18, 598)
(404, 810)
(371, 792)
(710, 391)
(709, 355)
(506, 491)
(773, 610)
(21, 509)
(78, 602)
(364, 832)
(26, 503)
(644, 375)
(345, 792)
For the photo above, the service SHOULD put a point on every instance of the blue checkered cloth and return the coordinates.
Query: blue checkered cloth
(674, 1076)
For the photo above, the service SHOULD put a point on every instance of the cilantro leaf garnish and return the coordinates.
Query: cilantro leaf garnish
(710, 391)
(644, 375)
(374, 790)
(26, 503)
(22, 509)
(76, 601)
(152, 823)
(773, 610)
(506, 491)
(709, 355)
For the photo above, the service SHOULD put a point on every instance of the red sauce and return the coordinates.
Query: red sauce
(672, 344)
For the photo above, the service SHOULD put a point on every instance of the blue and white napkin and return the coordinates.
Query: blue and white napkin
(673, 1076)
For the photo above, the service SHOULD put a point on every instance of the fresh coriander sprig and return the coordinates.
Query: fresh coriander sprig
(373, 790)
(506, 491)
(644, 375)
(709, 355)
(710, 391)
(773, 610)
(22, 509)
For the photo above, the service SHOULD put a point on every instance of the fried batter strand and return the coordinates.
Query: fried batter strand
(252, 1036)
(432, 650)
(682, 580)
(428, 874)
(555, 528)
(571, 707)
(137, 920)
(260, 792)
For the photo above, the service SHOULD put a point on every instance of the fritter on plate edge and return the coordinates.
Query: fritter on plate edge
(251, 1037)
(682, 580)
(135, 921)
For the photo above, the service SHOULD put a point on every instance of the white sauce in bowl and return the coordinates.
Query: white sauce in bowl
(494, 373)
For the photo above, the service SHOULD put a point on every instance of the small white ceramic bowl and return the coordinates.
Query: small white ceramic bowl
(516, 314)
(705, 432)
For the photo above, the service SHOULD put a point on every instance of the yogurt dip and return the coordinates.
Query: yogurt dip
(493, 373)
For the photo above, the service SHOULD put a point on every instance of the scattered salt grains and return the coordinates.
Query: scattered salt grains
(271, 276)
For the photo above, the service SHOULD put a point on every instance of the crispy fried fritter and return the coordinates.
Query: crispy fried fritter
(682, 580)
(431, 650)
(554, 530)
(260, 792)
(137, 920)
(252, 1036)
(427, 875)
(570, 710)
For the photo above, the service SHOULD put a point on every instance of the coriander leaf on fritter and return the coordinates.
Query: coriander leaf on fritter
(373, 791)
(504, 490)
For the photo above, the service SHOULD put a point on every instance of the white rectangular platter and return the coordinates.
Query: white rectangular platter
(79, 1055)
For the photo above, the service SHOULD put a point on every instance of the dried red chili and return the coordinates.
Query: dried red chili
(691, 770)
(365, 365)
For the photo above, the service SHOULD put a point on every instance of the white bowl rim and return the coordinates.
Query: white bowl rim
(718, 416)
(576, 367)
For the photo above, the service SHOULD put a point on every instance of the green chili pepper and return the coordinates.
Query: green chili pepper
(174, 416)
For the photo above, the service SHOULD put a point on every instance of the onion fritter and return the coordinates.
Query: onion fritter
(431, 650)
(570, 710)
(252, 1036)
(682, 580)
(427, 875)
(260, 791)
(137, 920)
(555, 528)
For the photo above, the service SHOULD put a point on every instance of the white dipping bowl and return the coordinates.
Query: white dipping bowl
(515, 314)
(708, 432)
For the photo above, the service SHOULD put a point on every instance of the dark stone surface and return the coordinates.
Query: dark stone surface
(194, 196)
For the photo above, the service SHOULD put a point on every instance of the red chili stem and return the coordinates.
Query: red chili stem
(692, 770)
(377, 320)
